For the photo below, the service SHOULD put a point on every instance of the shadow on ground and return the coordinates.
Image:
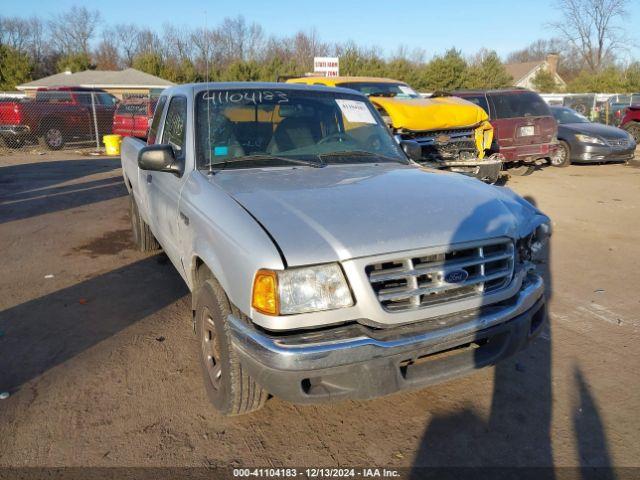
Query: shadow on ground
(31, 189)
(42, 333)
(517, 431)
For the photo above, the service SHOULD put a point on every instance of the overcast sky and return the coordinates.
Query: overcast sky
(501, 25)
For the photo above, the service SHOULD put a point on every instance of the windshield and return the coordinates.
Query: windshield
(249, 127)
(566, 115)
(382, 89)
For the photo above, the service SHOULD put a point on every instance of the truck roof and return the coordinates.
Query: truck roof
(194, 88)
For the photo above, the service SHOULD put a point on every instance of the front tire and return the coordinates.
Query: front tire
(634, 129)
(522, 170)
(562, 158)
(230, 388)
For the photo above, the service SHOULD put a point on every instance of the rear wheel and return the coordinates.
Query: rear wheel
(142, 236)
(634, 129)
(230, 388)
(522, 169)
(562, 158)
(52, 137)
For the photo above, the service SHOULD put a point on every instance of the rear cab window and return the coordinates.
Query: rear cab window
(53, 97)
(518, 104)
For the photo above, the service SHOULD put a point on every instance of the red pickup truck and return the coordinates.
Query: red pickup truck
(56, 116)
(133, 117)
(631, 121)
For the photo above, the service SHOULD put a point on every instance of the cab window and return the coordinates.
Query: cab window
(175, 123)
(155, 124)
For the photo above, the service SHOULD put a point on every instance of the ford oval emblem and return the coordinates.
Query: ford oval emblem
(456, 276)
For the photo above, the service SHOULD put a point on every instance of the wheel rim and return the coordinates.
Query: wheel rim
(211, 351)
(560, 157)
(54, 137)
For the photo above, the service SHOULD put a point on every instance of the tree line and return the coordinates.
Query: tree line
(235, 49)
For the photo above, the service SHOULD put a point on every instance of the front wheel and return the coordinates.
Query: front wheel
(634, 129)
(230, 388)
(522, 169)
(562, 158)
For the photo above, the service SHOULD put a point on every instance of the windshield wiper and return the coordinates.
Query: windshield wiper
(359, 153)
(267, 157)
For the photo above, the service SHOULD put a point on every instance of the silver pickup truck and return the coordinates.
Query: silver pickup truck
(324, 263)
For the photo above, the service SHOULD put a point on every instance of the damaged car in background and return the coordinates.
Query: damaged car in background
(453, 134)
(323, 263)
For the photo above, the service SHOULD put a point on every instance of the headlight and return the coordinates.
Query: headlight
(539, 240)
(589, 139)
(531, 248)
(301, 290)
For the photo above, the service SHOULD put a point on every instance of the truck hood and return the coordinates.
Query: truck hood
(318, 215)
(421, 114)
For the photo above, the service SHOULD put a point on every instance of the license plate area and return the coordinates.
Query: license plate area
(527, 131)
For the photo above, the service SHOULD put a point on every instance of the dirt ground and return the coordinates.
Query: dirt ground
(97, 351)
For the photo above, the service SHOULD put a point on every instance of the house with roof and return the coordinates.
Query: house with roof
(121, 83)
(524, 73)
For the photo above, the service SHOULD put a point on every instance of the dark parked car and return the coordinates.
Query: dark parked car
(582, 140)
(524, 129)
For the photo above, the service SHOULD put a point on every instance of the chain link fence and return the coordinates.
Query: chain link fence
(607, 108)
(70, 119)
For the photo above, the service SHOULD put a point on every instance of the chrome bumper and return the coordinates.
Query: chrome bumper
(351, 344)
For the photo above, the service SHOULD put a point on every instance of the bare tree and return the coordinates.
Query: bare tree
(73, 30)
(14, 32)
(240, 41)
(106, 55)
(592, 28)
(126, 37)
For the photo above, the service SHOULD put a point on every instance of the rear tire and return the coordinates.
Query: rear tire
(52, 137)
(142, 236)
(563, 156)
(522, 170)
(230, 388)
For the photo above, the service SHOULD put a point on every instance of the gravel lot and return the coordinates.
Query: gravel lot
(100, 360)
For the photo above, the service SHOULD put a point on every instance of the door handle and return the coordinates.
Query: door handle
(149, 178)
(184, 218)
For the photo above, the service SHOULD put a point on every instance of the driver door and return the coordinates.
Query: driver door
(163, 187)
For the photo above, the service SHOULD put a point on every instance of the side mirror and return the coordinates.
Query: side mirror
(159, 158)
(412, 149)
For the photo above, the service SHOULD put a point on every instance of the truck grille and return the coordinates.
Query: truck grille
(445, 144)
(415, 282)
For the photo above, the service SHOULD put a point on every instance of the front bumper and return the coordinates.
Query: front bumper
(355, 361)
(486, 168)
(581, 152)
(528, 153)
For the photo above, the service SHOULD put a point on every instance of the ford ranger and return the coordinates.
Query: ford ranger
(454, 134)
(324, 263)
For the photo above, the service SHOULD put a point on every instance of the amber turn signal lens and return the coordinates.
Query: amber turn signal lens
(265, 292)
